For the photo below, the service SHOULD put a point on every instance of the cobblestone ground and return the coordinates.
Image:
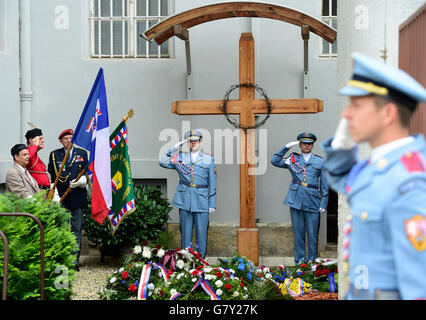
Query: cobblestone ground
(90, 280)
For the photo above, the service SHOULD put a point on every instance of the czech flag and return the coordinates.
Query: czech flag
(92, 134)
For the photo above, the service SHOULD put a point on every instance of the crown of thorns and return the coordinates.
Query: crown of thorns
(234, 122)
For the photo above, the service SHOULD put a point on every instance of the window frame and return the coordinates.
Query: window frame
(328, 19)
(129, 28)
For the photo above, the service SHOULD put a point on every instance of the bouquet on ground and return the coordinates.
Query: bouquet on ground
(124, 283)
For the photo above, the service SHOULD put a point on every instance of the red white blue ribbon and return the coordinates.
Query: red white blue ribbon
(163, 270)
(174, 296)
(143, 283)
(207, 288)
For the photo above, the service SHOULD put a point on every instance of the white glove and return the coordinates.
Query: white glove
(211, 210)
(342, 138)
(80, 183)
(177, 146)
(56, 197)
(291, 144)
(321, 210)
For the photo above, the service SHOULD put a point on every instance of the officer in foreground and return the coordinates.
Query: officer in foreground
(196, 192)
(384, 237)
(307, 195)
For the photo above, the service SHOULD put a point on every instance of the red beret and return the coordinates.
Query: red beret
(65, 133)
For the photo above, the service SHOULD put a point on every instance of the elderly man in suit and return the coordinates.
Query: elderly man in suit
(18, 180)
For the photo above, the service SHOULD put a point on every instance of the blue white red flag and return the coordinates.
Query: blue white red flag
(92, 134)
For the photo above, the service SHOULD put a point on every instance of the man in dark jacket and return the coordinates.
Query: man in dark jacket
(76, 201)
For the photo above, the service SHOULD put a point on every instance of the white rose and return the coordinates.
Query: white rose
(151, 286)
(207, 269)
(137, 249)
(236, 294)
(146, 253)
(218, 283)
(113, 279)
(161, 253)
(219, 292)
(173, 291)
(180, 264)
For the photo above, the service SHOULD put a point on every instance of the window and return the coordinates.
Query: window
(116, 25)
(329, 16)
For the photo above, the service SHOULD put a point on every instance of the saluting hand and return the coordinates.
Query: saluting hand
(291, 144)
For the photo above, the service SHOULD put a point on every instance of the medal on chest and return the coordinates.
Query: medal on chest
(298, 168)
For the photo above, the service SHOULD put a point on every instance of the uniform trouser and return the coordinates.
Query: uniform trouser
(187, 220)
(76, 226)
(300, 218)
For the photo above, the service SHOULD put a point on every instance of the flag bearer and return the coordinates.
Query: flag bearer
(76, 201)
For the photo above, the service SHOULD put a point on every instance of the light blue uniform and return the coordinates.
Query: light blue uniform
(196, 190)
(384, 244)
(388, 208)
(308, 192)
(195, 194)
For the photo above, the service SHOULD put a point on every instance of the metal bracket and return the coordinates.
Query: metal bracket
(183, 34)
(305, 37)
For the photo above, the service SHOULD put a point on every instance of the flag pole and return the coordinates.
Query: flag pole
(126, 117)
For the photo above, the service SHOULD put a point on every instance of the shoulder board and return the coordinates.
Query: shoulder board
(413, 162)
(207, 154)
(318, 156)
(295, 153)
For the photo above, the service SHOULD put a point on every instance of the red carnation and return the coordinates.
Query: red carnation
(228, 286)
(124, 275)
(219, 275)
(132, 288)
(303, 265)
(195, 272)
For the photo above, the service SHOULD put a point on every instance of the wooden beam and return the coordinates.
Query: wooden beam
(164, 30)
(279, 106)
(287, 106)
(205, 107)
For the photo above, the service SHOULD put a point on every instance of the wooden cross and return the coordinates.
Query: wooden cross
(247, 106)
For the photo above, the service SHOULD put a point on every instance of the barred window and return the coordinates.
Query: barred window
(329, 16)
(115, 26)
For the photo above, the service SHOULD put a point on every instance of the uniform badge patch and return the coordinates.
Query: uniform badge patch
(416, 231)
(413, 162)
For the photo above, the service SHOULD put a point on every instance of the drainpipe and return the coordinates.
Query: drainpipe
(25, 93)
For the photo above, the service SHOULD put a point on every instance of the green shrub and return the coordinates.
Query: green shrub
(147, 223)
(23, 235)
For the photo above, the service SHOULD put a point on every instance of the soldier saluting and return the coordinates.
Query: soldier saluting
(307, 195)
(196, 192)
(385, 234)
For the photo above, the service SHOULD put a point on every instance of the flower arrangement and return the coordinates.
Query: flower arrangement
(151, 272)
(319, 273)
(295, 287)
